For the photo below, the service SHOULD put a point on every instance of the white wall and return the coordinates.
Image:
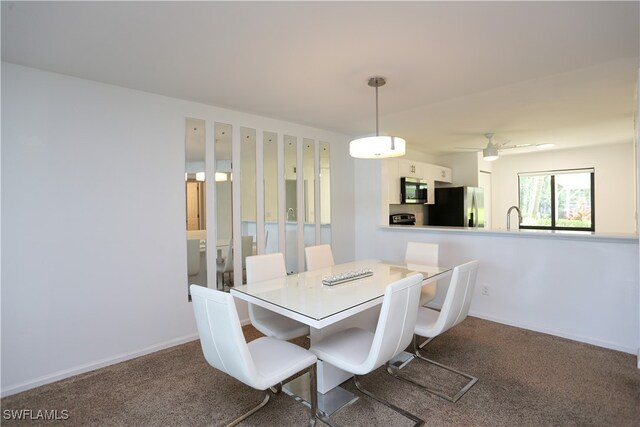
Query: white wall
(93, 237)
(615, 192)
(583, 290)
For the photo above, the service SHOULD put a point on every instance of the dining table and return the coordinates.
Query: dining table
(313, 298)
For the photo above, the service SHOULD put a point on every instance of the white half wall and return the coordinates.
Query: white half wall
(93, 236)
(578, 289)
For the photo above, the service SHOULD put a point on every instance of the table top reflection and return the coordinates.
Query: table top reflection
(303, 297)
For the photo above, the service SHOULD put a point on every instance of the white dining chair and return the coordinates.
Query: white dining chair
(431, 323)
(225, 265)
(360, 351)
(318, 257)
(260, 364)
(424, 254)
(267, 267)
(193, 257)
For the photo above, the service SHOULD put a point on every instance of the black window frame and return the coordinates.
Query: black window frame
(552, 175)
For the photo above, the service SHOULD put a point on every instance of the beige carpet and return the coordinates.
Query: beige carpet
(525, 379)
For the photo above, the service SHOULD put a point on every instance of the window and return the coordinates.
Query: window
(557, 200)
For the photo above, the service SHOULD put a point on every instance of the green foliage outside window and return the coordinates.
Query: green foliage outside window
(556, 200)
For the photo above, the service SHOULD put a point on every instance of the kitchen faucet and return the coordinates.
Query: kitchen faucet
(509, 216)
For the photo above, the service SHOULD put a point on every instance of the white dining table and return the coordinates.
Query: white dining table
(328, 309)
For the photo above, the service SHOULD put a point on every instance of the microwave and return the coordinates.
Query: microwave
(413, 190)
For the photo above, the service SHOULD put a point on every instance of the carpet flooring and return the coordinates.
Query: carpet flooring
(525, 379)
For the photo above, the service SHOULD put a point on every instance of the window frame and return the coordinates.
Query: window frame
(552, 174)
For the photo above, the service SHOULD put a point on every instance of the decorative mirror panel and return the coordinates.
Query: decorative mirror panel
(270, 171)
(224, 206)
(247, 194)
(308, 171)
(291, 202)
(325, 193)
(195, 190)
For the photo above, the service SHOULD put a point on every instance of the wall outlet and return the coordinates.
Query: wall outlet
(485, 290)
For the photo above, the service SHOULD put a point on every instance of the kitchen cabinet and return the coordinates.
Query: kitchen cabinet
(391, 180)
(439, 173)
(394, 169)
(410, 168)
(435, 173)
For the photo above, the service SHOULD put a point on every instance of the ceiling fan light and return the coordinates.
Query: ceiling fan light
(377, 147)
(490, 153)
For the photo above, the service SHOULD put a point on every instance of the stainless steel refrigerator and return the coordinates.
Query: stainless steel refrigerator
(457, 207)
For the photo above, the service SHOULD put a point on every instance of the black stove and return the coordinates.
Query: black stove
(402, 219)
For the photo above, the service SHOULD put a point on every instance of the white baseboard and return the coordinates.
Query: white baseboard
(574, 337)
(26, 385)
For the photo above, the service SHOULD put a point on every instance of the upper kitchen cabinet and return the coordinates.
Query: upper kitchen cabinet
(410, 168)
(438, 173)
(391, 181)
(394, 169)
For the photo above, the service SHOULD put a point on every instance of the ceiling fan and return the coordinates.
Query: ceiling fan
(490, 152)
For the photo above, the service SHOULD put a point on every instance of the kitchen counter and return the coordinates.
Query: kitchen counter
(533, 234)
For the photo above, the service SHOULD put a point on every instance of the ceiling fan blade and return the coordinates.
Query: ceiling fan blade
(510, 147)
(468, 148)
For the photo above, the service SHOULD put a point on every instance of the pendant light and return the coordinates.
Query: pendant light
(377, 147)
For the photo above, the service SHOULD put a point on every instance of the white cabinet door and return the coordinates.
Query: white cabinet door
(410, 168)
(442, 174)
(392, 181)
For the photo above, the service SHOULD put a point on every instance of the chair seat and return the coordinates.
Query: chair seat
(426, 322)
(277, 360)
(346, 349)
(274, 325)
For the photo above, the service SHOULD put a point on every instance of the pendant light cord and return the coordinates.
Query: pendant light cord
(377, 111)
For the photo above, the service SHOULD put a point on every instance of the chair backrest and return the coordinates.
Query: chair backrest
(259, 268)
(421, 253)
(456, 304)
(265, 267)
(318, 257)
(247, 249)
(193, 257)
(396, 323)
(228, 261)
(221, 337)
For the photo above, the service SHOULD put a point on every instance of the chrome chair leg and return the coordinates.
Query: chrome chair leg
(415, 343)
(267, 396)
(416, 350)
(313, 395)
(417, 421)
(276, 389)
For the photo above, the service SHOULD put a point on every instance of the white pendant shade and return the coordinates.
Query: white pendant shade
(377, 147)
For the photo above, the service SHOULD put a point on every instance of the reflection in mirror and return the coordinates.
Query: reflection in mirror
(309, 172)
(224, 206)
(195, 202)
(270, 153)
(291, 203)
(248, 193)
(325, 193)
